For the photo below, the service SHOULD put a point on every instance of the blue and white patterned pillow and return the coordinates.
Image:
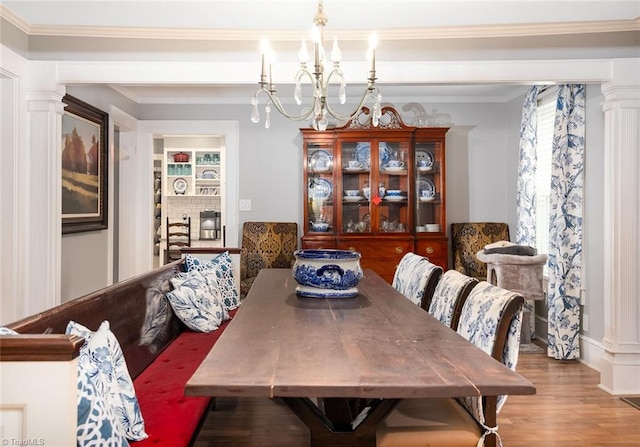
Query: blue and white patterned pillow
(222, 267)
(111, 377)
(194, 304)
(7, 331)
(97, 425)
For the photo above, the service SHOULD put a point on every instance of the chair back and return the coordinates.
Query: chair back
(449, 296)
(178, 236)
(416, 278)
(468, 238)
(491, 319)
(266, 245)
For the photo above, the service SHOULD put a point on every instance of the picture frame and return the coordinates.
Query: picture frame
(84, 167)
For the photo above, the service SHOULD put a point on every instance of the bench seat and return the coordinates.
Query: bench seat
(171, 418)
(160, 352)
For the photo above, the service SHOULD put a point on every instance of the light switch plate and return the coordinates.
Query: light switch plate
(245, 205)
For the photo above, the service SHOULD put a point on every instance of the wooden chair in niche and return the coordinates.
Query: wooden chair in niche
(265, 245)
(416, 278)
(449, 297)
(178, 236)
(468, 238)
(469, 421)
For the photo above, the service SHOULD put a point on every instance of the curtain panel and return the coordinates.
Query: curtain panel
(565, 223)
(526, 186)
(527, 165)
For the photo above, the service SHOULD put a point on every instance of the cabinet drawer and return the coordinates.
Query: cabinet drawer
(436, 250)
(317, 244)
(378, 249)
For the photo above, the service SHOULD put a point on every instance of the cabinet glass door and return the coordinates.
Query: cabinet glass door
(355, 189)
(321, 192)
(429, 188)
(393, 187)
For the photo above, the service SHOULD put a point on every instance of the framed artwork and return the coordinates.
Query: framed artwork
(84, 167)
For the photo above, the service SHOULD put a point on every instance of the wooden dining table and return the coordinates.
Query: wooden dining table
(342, 364)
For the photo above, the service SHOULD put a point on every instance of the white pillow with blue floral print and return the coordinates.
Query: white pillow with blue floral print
(212, 284)
(111, 377)
(7, 331)
(193, 302)
(97, 424)
(222, 268)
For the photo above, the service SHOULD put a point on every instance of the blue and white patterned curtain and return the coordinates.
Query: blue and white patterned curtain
(526, 193)
(565, 223)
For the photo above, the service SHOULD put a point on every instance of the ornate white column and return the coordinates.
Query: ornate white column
(40, 265)
(621, 357)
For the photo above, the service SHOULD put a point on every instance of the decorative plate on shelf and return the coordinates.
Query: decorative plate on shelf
(426, 189)
(424, 159)
(320, 188)
(320, 161)
(363, 154)
(210, 174)
(179, 186)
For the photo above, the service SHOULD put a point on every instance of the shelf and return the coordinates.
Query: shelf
(200, 162)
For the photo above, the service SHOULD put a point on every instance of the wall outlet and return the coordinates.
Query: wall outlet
(244, 205)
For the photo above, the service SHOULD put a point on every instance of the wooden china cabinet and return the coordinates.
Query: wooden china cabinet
(376, 190)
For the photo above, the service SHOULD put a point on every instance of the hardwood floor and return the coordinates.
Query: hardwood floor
(568, 410)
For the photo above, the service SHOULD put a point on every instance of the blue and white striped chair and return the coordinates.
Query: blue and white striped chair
(416, 278)
(449, 296)
(491, 319)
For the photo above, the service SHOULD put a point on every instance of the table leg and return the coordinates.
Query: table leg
(361, 432)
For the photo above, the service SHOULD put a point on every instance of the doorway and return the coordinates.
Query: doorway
(141, 201)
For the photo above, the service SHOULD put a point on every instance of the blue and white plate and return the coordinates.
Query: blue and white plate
(320, 188)
(424, 160)
(320, 161)
(363, 154)
(211, 174)
(424, 184)
(314, 292)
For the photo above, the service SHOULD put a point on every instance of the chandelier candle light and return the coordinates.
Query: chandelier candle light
(319, 108)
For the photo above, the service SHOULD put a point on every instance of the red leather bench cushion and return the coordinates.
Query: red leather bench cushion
(171, 418)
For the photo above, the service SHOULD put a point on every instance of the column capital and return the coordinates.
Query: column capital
(625, 83)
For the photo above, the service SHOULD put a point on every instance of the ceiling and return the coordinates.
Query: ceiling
(235, 26)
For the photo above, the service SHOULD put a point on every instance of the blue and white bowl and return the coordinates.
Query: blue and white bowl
(327, 269)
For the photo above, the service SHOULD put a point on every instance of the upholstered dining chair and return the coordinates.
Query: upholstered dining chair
(265, 245)
(468, 238)
(416, 278)
(491, 318)
(449, 296)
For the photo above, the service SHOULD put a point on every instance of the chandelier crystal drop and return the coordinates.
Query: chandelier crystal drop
(319, 110)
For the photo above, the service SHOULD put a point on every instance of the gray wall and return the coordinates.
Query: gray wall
(482, 157)
(84, 255)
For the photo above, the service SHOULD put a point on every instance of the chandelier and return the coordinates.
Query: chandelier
(319, 110)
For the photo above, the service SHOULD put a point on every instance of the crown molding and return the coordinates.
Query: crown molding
(14, 19)
(422, 33)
